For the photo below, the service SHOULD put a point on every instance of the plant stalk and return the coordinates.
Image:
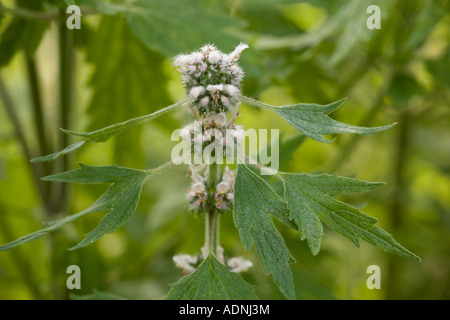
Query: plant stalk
(211, 215)
(38, 117)
(66, 61)
(29, 14)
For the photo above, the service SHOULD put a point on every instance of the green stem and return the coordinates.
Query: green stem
(400, 201)
(217, 230)
(29, 14)
(36, 102)
(65, 82)
(257, 104)
(207, 244)
(212, 222)
(38, 117)
(211, 215)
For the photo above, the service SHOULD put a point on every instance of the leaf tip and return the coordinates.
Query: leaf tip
(76, 247)
(343, 100)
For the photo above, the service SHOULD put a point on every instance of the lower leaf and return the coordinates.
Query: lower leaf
(212, 281)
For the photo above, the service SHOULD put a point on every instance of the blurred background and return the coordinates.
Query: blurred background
(118, 66)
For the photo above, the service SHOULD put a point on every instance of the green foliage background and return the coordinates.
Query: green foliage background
(312, 51)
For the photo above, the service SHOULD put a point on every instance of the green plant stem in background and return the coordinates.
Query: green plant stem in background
(29, 14)
(39, 120)
(66, 96)
(399, 201)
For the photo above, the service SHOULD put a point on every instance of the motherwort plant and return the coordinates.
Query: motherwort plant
(212, 81)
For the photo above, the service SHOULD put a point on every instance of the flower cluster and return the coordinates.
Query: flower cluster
(224, 190)
(211, 78)
(212, 81)
(197, 194)
(214, 127)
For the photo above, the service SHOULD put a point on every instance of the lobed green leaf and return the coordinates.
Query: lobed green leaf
(120, 200)
(104, 134)
(383, 240)
(309, 201)
(95, 174)
(254, 202)
(160, 24)
(313, 121)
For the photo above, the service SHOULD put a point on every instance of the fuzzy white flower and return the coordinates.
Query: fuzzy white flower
(236, 70)
(204, 101)
(225, 101)
(196, 91)
(231, 90)
(228, 176)
(192, 69)
(208, 47)
(182, 60)
(226, 60)
(198, 187)
(239, 264)
(237, 51)
(186, 133)
(238, 133)
(199, 138)
(223, 187)
(208, 122)
(197, 173)
(185, 261)
(220, 120)
(216, 87)
(197, 57)
(215, 57)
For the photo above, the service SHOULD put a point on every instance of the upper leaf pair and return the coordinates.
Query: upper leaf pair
(312, 120)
